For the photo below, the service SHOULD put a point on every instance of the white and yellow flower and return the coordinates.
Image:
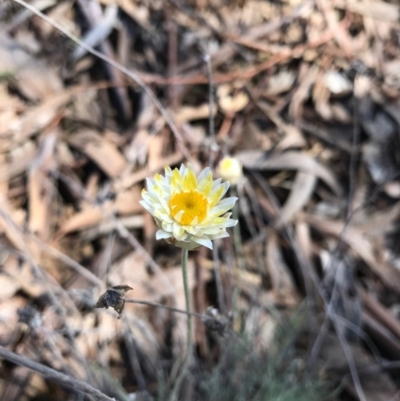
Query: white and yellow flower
(189, 210)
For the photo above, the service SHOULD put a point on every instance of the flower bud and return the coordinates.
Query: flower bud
(230, 169)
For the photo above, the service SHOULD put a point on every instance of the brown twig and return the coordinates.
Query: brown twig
(170, 308)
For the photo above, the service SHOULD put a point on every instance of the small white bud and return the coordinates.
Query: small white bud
(230, 169)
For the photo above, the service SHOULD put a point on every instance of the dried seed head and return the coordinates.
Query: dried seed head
(114, 298)
(215, 321)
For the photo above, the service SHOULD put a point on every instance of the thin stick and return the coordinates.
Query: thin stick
(157, 305)
(55, 375)
(132, 75)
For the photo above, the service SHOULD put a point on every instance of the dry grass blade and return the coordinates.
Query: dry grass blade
(302, 190)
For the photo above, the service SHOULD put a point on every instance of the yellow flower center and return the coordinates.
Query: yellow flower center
(192, 203)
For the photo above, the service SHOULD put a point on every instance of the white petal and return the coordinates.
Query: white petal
(194, 230)
(203, 241)
(165, 210)
(179, 215)
(232, 199)
(203, 174)
(162, 216)
(178, 232)
(161, 234)
(223, 206)
(226, 186)
(150, 184)
(229, 223)
(168, 171)
(211, 230)
(217, 182)
(165, 205)
(222, 234)
(216, 221)
(167, 227)
(166, 188)
(149, 208)
(151, 197)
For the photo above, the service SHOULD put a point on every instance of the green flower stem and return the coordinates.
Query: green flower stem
(237, 240)
(185, 253)
(186, 363)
